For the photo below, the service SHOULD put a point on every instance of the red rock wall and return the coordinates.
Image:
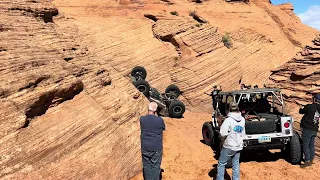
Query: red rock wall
(64, 114)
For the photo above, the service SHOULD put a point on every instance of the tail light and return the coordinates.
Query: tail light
(286, 125)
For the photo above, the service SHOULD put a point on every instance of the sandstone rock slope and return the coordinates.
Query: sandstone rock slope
(68, 108)
(300, 77)
(64, 114)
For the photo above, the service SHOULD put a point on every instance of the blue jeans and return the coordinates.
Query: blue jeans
(151, 161)
(308, 138)
(225, 156)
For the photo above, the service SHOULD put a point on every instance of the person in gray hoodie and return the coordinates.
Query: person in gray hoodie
(232, 132)
(310, 125)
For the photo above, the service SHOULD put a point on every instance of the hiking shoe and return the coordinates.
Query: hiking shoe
(306, 164)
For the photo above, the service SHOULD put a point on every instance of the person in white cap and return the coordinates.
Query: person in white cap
(152, 127)
(232, 132)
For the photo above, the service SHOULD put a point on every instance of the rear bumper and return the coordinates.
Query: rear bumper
(276, 143)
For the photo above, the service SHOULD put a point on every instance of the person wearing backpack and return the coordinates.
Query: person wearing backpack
(232, 133)
(310, 125)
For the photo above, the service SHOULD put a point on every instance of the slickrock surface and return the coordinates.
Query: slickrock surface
(65, 114)
(68, 109)
(189, 52)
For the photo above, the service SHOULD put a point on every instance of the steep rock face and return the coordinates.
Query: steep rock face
(64, 74)
(64, 114)
(300, 77)
(203, 60)
(192, 56)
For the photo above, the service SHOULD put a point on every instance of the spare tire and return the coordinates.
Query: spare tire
(143, 86)
(269, 116)
(260, 127)
(176, 109)
(173, 91)
(207, 133)
(139, 72)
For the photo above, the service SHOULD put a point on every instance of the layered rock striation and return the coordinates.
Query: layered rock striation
(300, 77)
(68, 107)
(64, 113)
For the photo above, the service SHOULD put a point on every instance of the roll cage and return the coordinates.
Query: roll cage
(248, 101)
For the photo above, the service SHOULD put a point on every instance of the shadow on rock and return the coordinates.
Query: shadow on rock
(202, 141)
(214, 171)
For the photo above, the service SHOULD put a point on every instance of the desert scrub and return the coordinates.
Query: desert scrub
(175, 13)
(226, 39)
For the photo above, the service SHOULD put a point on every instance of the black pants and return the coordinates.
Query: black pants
(214, 104)
(308, 138)
(151, 161)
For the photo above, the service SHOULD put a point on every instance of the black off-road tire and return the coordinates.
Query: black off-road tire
(260, 127)
(143, 86)
(176, 109)
(207, 133)
(139, 71)
(216, 143)
(173, 90)
(293, 151)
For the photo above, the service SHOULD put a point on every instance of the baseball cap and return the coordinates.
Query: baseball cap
(153, 107)
(234, 107)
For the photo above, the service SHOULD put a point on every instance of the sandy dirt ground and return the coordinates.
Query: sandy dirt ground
(186, 157)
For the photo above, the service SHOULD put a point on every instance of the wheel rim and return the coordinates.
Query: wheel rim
(177, 109)
(173, 94)
(138, 74)
(142, 88)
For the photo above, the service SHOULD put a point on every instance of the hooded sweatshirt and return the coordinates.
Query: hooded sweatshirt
(310, 119)
(233, 128)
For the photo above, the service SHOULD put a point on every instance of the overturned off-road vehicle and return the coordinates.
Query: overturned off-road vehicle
(266, 126)
(168, 102)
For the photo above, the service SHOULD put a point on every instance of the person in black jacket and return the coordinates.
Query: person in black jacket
(214, 95)
(310, 125)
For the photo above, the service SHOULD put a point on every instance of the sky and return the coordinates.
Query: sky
(307, 10)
